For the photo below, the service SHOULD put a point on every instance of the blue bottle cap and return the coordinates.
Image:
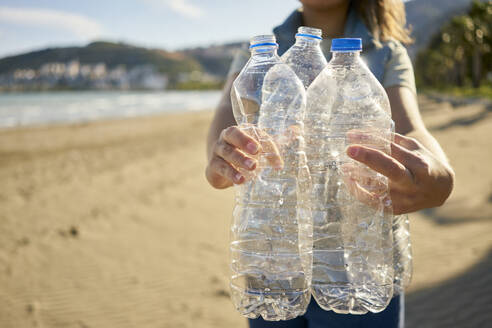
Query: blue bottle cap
(346, 44)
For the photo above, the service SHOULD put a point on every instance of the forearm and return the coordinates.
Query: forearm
(423, 136)
(408, 121)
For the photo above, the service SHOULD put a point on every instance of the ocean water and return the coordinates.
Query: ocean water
(34, 108)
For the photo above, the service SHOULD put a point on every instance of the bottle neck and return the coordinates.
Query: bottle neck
(263, 52)
(307, 42)
(345, 57)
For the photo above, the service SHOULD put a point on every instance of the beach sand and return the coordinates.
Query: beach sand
(112, 224)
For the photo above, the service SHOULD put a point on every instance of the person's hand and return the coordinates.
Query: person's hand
(233, 156)
(417, 179)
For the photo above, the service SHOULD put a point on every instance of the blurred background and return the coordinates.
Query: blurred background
(106, 219)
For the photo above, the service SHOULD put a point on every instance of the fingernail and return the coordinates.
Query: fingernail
(353, 151)
(238, 177)
(250, 164)
(252, 147)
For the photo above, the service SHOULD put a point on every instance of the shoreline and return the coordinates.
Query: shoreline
(102, 120)
(74, 107)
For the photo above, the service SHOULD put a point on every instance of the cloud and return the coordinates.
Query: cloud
(183, 7)
(81, 26)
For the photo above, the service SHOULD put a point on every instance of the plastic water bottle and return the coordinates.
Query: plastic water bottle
(305, 57)
(352, 217)
(402, 253)
(271, 234)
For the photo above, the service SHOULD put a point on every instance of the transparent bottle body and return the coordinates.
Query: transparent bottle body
(402, 253)
(352, 246)
(306, 59)
(271, 232)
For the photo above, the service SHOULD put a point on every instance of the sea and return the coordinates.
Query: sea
(41, 108)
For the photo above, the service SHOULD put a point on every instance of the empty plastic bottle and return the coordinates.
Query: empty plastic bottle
(271, 233)
(402, 253)
(352, 217)
(305, 57)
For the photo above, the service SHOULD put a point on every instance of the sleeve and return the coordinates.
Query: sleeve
(240, 59)
(398, 69)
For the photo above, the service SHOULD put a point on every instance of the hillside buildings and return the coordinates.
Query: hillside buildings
(75, 75)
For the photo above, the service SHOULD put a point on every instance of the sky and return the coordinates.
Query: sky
(27, 25)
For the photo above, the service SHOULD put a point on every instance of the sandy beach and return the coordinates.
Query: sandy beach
(112, 224)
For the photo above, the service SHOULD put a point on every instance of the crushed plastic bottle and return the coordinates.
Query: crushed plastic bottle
(271, 233)
(402, 253)
(305, 57)
(352, 214)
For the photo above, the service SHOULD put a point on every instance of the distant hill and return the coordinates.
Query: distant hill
(215, 59)
(112, 54)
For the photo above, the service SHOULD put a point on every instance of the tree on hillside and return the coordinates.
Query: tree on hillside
(461, 52)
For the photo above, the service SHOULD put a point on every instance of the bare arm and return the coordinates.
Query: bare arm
(408, 121)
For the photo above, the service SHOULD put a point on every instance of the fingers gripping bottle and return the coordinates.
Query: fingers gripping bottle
(352, 217)
(271, 233)
(305, 57)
